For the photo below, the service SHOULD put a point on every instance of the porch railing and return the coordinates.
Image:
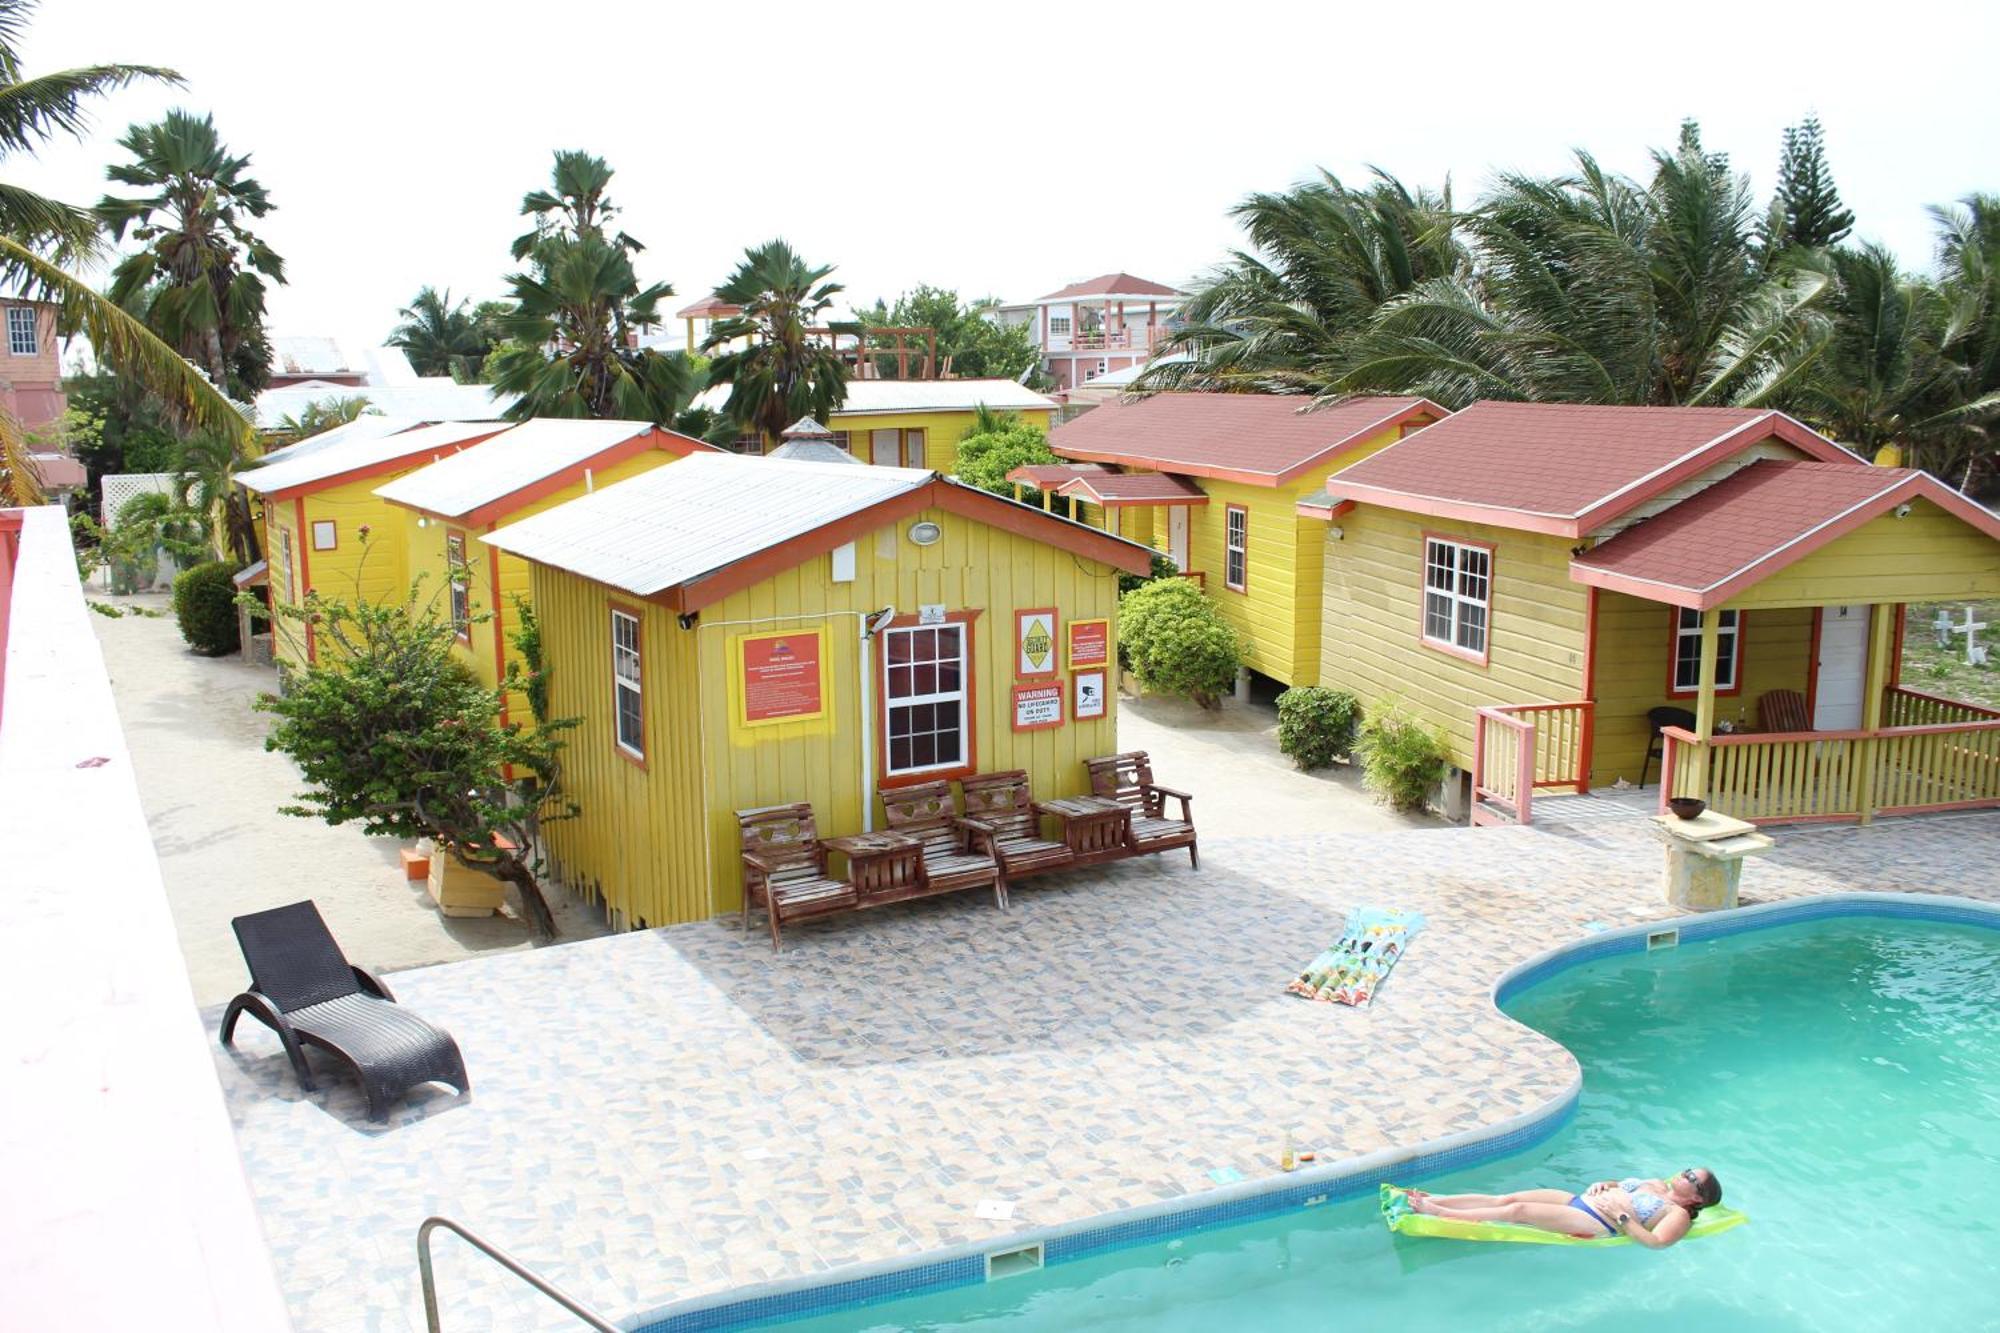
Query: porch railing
(1913, 708)
(1519, 749)
(1796, 776)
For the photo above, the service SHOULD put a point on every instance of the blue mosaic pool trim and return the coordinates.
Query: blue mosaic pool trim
(1255, 1201)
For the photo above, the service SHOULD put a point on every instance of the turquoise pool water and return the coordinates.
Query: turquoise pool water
(1841, 1076)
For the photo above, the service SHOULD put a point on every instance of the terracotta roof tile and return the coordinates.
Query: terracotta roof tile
(1045, 476)
(1123, 488)
(1113, 284)
(1739, 521)
(1545, 458)
(1264, 439)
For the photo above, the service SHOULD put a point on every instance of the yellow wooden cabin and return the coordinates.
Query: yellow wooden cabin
(1575, 595)
(910, 423)
(1213, 482)
(444, 508)
(323, 527)
(736, 633)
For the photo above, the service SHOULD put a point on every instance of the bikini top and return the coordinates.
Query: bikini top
(1645, 1203)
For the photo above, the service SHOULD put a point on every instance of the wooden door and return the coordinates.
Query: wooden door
(1177, 536)
(1841, 669)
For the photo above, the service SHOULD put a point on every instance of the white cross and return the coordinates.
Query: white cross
(1975, 651)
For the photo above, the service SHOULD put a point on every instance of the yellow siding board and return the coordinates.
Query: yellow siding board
(1929, 556)
(942, 431)
(1371, 643)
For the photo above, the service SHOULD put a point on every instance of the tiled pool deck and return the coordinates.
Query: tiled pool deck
(677, 1113)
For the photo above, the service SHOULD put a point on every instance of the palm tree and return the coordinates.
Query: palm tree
(783, 373)
(206, 466)
(1593, 288)
(41, 239)
(1323, 260)
(321, 414)
(199, 274)
(578, 309)
(441, 336)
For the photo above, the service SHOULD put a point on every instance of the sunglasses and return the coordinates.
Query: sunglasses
(1693, 1180)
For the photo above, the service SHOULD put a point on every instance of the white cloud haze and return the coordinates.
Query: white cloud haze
(998, 149)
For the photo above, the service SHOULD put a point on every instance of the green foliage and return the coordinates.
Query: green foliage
(114, 426)
(205, 608)
(441, 336)
(1317, 724)
(783, 372)
(533, 679)
(977, 347)
(1402, 760)
(1177, 642)
(1163, 568)
(986, 456)
(393, 733)
(197, 278)
(1806, 212)
(570, 339)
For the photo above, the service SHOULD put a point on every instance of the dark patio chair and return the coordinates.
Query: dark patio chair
(1656, 746)
(303, 988)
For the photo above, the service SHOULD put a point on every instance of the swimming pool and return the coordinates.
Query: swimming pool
(1841, 1075)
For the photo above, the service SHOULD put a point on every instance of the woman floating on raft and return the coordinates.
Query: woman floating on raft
(1654, 1213)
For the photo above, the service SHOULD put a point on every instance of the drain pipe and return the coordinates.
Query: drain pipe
(868, 623)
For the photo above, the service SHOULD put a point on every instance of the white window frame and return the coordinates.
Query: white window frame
(892, 705)
(1236, 548)
(458, 577)
(288, 593)
(1059, 326)
(1466, 635)
(33, 331)
(913, 447)
(1728, 651)
(627, 677)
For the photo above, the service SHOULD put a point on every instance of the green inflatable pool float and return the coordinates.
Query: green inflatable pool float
(1396, 1212)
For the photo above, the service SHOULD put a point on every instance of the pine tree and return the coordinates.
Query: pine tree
(1806, 212)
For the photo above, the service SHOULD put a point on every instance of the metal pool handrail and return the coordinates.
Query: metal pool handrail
(506, 1261)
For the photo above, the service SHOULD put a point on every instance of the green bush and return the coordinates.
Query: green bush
(205, 607)
(1402, 760)
(1317, 724)
(1177, 642)
(1163, 568)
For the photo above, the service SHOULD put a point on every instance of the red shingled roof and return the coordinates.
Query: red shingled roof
(1113, 284)
(708, 307)
(1259, 438)
(1048, 476)
(1558, 467)
(1753, 523)
(1117, 489)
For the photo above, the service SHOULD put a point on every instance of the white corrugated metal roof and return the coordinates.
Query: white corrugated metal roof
(434, 398)
(370, 427)
(498, 467)
(349, 455)
(866, 397)
(706, 512)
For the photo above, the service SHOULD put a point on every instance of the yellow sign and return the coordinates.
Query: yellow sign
(1035, 634)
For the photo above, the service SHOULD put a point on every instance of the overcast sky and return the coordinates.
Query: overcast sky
(999, 149)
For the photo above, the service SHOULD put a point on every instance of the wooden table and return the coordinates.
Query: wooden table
(883, 867)
(1095, 828)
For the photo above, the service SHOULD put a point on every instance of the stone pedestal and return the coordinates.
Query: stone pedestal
(1705, 858)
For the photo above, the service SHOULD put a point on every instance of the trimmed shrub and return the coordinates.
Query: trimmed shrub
(1402, 760)
(1163, 568)
(1317, 724)
(205, 607)
(1177, 642)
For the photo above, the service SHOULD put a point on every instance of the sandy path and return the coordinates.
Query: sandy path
(212, 792)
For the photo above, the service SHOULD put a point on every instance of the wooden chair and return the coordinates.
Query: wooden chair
(1783, 710)
(1128, 779)
(1001, 808)
(784, 867)
(1656, 745)
(957, 854)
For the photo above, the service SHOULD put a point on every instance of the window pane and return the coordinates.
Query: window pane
(947, 747)
(923, 717)
(948, 641)
(899, 646)
(1437, 616)
(948, 676)
(899, 721)
(899, 682)
(925, 680)
(899, 755)
(1472, 627)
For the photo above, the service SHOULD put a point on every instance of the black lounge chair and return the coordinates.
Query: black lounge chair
(304, 989)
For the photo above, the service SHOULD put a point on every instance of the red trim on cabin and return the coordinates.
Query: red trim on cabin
(1232, 512)
(304, 539)
(1673, 657)
(1812, 665)
(1335, 510)
(1771, 426)
(612, 604)
(969, 714)
(644, 442)
(1587, 745)
(1423, 586)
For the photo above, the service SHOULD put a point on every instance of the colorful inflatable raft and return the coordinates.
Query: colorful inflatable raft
(1396, 1212)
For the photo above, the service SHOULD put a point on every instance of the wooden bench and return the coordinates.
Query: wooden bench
(957, 854)
(785, 867)
(1128, 779)
(1000, 807)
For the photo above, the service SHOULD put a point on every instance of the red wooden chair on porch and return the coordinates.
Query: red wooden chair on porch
(1783, 710)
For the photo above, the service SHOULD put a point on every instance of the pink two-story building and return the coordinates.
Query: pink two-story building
(1092, 328)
